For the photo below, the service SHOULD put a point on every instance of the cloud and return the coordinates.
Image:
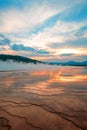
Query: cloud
(2, 49)
(72, 43)
(77, 12)
(79, 58)
(21, 47)
(69, 54)
(4, 41)
(44, 28)
(42, 52)
(17, 16)
(60, 33)
(16, 20)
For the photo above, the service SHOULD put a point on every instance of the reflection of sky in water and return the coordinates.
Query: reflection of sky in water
(60, 80)
(62, 90)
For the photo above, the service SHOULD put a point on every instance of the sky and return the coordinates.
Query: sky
(46, 30)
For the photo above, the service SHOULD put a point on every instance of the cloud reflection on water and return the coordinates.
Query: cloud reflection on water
(45, 81)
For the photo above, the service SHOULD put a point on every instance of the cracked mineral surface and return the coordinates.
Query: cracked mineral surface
(44, 99)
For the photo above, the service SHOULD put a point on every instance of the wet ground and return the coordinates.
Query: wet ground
(46, 99)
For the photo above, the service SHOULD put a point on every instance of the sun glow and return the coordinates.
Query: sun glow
(67, 51)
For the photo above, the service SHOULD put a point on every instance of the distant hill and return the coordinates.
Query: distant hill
(69, 63)
(16, 58)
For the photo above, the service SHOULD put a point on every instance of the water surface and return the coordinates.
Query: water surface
(48, 98)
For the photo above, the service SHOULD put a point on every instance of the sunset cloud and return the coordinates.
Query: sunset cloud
(48, 30)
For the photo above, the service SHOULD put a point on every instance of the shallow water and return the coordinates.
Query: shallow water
(44, 97)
